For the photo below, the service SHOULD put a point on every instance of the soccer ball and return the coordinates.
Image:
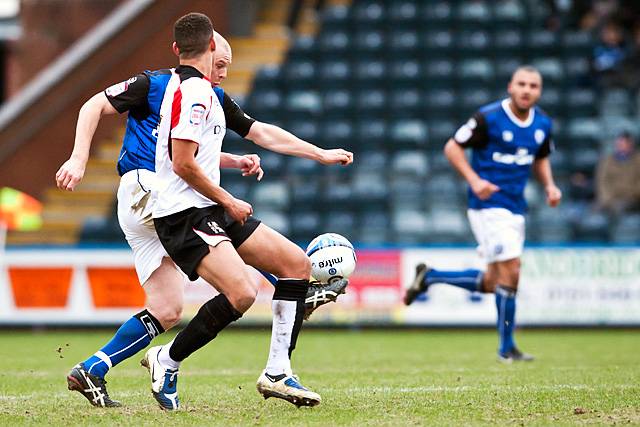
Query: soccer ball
(332, 257)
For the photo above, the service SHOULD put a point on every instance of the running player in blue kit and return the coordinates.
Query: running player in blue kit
(509, 139)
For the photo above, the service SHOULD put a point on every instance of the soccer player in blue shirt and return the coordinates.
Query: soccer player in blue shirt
(509, 139)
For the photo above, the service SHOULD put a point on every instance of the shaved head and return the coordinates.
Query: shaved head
(521, 69)
(221, 59)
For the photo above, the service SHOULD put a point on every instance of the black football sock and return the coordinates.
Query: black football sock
(215, 315)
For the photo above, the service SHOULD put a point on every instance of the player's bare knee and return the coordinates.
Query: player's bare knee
(242, 299)
(168, 316)
(301, 267)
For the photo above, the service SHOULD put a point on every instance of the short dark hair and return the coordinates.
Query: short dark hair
(192, 33)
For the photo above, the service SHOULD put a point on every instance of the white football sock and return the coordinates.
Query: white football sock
(284, 316)
(166, 360)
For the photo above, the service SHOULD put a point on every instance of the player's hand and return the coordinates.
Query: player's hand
(70, 174)
(484, 189)
(249, 164)
(554, 195)
(239, 210)
(336, 156)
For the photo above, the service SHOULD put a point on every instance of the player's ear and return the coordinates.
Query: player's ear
(212, 44)
(175, 49)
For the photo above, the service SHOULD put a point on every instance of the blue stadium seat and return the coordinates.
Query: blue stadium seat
(370, 188)
(273, 194)
(448, 225)
(476, 42)
(504, 68)
(335, 43)
(277, 220)
(305, 225)
(300, 74)
(409, 133)
(437, 43)
(335, 18)
(374, 227)
(410, 226)
(438, 71)
(371, 134)
(616, 102)
(440, 102)
(577, 43)
(337, 103)
(581, 102)
(473, 13)
(412, 163)
(303, 48)
(340, 221)
(507, 42)
(302, 103)
(627, 230)
(476, 71)
(509, 12)
(334, 74)
(592, 227)
(370, 72)
(305, 193)
(305, 129)
(542, 43)
(404, 14)
(437, 13)
(370, 41)
(406, 103)
(550, 68)
(406, 73)
(404, 43)
(368, 13)
(472, 100)
(338, 133)
(268, 77)
(371, 102)
(272, 163)
(300, 166)
(577, 68)
(265, 100)
(553, 101)
(440, 131)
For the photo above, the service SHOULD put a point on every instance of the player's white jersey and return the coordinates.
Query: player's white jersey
(191, 111)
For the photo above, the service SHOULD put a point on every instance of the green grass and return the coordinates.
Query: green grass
(365, 378)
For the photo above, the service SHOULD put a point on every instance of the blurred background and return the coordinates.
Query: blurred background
(390, 80)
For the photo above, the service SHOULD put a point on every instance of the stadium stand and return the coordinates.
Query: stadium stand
(392, 80)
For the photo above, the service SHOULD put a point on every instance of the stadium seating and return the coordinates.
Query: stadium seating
(392, 80)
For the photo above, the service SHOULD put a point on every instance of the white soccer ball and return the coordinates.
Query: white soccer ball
(332, 257)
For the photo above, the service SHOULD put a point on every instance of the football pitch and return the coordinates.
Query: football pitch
(388, 377)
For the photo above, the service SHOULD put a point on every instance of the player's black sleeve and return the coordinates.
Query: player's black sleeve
(474, 133)
(129, 94)
(237, 120)
(546, 148)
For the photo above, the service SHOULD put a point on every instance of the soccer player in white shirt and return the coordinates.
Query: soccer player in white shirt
(205, 229)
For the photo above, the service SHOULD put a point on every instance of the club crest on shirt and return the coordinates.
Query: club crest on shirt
(539, 136)
(197, 114)
(507, 136)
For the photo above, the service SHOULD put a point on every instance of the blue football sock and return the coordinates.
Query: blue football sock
(470, 280)
(134, 335)
(506, 306)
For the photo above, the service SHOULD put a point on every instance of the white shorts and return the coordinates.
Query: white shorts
(499, 232)
(135, 206)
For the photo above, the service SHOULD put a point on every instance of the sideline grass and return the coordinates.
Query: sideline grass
(365, 378)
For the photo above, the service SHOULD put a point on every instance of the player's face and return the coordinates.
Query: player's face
(525, 89)
(221, 62)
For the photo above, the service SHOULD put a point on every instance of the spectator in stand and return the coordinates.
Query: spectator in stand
(610, 53)
(617, 177)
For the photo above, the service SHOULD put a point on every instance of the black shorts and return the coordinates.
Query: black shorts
(187, 235)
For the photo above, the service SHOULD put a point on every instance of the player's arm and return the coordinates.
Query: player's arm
(472, 134)
(184, 165)
(72, 171)
(542, 171)
(118, 98)
(249, 164)
(274, 138)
